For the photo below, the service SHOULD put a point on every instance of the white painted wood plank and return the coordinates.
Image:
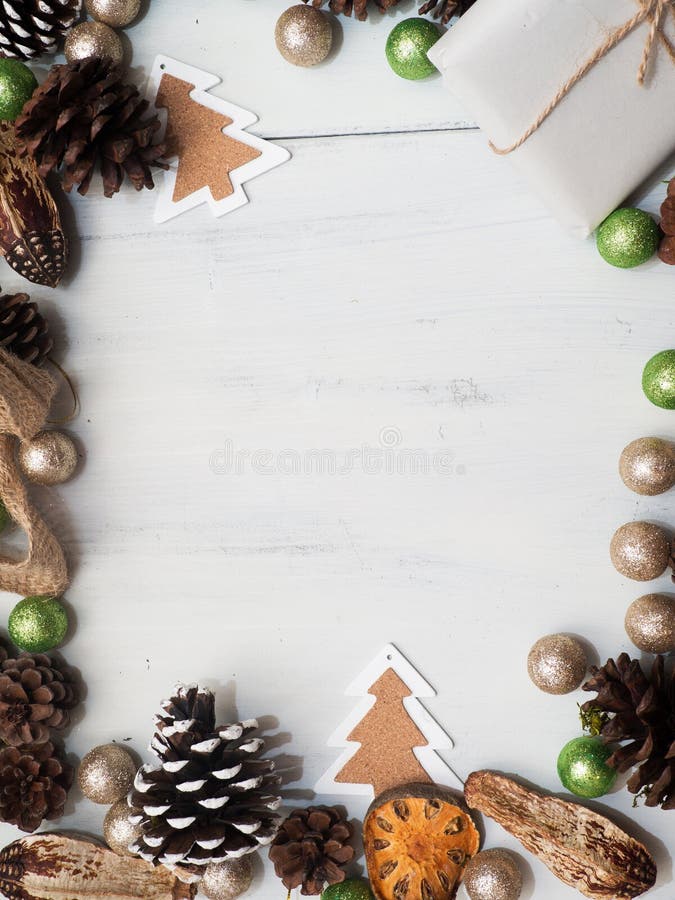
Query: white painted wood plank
(401, 292)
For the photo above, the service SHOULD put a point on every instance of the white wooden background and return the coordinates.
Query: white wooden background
(393, 282)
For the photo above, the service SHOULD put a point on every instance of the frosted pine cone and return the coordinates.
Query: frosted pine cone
(29, 28)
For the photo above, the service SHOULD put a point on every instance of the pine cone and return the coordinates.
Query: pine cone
(84, 115)
(36, 694)
(445, 9)
(34, 785)
(23, 331)
(29, 28)
(642, 713)
(667, 245)
(357, 8)
(311, 848)
(209, 799)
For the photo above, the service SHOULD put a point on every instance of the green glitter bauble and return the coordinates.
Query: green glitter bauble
(350, 889)
(17, 84)
(658, 379)
(37, 624)
(583, 769)
(5, 517)
(627, 238)
(407, 47)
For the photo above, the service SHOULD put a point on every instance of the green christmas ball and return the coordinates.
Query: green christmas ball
(627, 238)
(350, 889)
(5, 517)
(583, 769)
(407, 47)
(17, 84)
(658, 379)
(37, 624)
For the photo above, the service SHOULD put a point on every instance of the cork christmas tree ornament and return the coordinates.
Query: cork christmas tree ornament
(389, 739)
(211, 153)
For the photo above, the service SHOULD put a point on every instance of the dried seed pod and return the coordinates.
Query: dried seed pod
(31, 238)
(418, 839)
(45, 866)
(583, 849)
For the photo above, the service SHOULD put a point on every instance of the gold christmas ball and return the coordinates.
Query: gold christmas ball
(557, 664)
(647, 466)
(227, 880)
(106, 773)
(640, 550)
(650, 623)
(93, 39)
(493, 875)
(48, 458)
(304, 35)
(117, 13)
(118, 831)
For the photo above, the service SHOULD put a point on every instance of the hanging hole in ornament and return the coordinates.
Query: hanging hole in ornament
(76, 400)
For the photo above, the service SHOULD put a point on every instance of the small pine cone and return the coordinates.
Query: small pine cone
(445, 9)
(29, 28)
(357, 8)
(23, 331)
(36, 694)
(311, 849)
(34, 785)
(209, 799)
(84, 115)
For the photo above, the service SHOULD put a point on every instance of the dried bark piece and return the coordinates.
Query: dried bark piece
(46, 866)
(583, 849)
(418, 839)
(31, 238)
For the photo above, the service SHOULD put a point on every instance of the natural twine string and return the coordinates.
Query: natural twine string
(25, 396)
(652, 11)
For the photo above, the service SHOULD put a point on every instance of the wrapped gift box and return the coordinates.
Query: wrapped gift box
(505, 61)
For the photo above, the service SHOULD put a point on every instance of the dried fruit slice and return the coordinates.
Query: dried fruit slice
(418, 839)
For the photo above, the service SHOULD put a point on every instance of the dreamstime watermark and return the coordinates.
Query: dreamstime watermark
(387, 457)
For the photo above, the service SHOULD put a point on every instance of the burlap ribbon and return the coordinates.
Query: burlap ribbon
(25, 397)
(649, 11)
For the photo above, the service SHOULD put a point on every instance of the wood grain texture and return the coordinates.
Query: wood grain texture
(399, 292)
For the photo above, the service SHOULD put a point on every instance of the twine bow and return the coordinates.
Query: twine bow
(25, 397)
(652, 11)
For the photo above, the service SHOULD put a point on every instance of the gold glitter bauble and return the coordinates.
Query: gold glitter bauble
(640, 550)
(650, 623)
(93, 39)
(48, 458)
(647, 466)
(493, 875)
(227, 880)
(557, 664)
(304, 35)
(106, 773)
(118, 831)
(117, 13)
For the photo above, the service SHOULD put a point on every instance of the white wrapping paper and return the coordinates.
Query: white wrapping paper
(506, 59)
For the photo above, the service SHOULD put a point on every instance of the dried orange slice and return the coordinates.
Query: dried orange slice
(418, 838)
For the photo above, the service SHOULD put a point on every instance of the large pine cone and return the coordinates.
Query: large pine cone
(311, 849)
(34, 785)
(23, 331)
(29, 28)
(641, 712)
(36, 694)
(209, 799)
(445, 9)
(83, 116)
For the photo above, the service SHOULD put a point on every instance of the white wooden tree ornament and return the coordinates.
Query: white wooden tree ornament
(216, 156)
(389, 738)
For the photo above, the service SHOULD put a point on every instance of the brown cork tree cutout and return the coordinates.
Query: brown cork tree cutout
(194, 134)
(386, 725)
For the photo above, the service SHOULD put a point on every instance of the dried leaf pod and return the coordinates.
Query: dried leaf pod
(31, 238)
(582, 848)
(45, 866)
(418, 839)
